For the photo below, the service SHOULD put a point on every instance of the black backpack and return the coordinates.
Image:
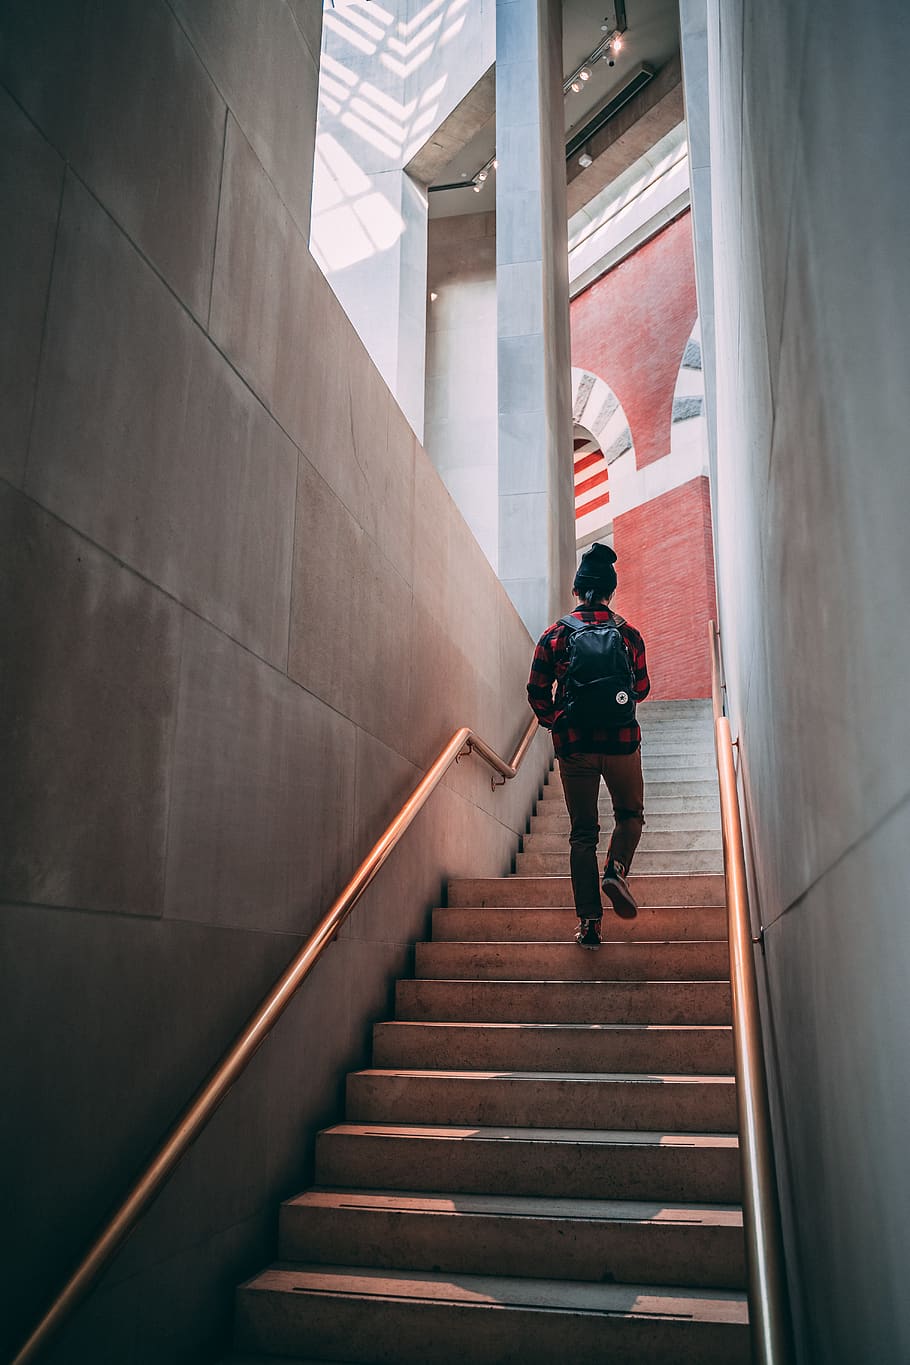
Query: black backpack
(599, 683)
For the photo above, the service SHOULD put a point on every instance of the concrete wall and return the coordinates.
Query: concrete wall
(536, 498)
(460, 431)
(812, 299)
(241, 615)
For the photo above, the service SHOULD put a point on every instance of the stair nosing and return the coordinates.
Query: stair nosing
(580, 1077)
(543, 1206)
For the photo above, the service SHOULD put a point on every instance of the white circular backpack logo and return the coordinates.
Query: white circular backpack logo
(622, 698)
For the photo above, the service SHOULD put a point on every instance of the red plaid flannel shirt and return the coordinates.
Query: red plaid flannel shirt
(551, 662)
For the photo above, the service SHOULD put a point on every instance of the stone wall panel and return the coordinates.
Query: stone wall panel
(33, 179)
(258, 57)
(89, 702)
(120, 1018)
(117, 89)
(147, 442)
(344, 646)
(260, 827)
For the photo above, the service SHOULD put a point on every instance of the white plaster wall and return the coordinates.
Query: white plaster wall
(461, 392)
(811, 281)
(391, 74)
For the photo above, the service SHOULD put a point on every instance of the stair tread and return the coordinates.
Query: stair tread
(494, 1291)
(522, 1206)
(283, 1360)
(669, 877)
(569, 911)
(579, 1077)
(662, 889)
(588, 1136)
(536, 981)
(508, 1026)
(646, 944)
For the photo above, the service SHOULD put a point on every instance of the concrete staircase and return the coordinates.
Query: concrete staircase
(541, 1164)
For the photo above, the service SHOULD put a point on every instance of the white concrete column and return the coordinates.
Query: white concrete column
(694, 45)
(536, 528)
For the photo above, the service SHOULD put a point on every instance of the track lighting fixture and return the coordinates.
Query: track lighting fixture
(605, 50)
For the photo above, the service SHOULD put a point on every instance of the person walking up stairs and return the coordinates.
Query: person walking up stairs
(541, 1165)
(587, 674)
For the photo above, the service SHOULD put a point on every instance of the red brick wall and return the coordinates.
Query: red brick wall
(665, 567)
(631, 327)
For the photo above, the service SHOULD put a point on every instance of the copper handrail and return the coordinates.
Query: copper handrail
(768, 1303)
(253, 1035)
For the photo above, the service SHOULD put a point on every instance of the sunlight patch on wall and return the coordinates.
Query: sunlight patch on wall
(351, 220)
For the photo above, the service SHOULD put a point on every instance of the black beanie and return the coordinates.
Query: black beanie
(596, 571)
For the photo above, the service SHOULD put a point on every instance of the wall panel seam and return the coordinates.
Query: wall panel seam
(47, 307)
(317, 56)
(845, 853)
(239, 124)
(191, 611)
(208, 324)
(185, 308)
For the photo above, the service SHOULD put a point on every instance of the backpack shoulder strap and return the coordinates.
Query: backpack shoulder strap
(619, 620)
(572, 623)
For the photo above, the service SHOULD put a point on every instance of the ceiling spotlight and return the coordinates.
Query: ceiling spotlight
(477, 187)
(433, 297)
(482, 175)
(585, 74)
(605, 27)
(585, 160)
(495, 164)
(617, 43)
(576, 86)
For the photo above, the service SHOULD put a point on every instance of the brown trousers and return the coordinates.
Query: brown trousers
(581, 774)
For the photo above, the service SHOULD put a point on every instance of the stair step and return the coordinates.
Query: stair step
(676, 786)
(668, 889)
(699, 756)
(689, 706)
(670, 768)
(555, 821)
(656, 803)
(679, 861)
(565, 1162)
(686, 730)
(676, 745)
(570, 1002)
(652, 841)
(697, 1245)
(285, 1360)
(539, 924)
(677, 1048)
(384, 1317)
(686, 1103)
(707, 960)
(663, 771)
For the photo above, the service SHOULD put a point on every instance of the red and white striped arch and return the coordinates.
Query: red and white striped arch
(602, 436)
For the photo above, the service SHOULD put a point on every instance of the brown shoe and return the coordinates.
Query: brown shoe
(617, 890)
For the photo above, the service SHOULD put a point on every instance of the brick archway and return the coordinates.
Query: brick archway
(601, 436)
